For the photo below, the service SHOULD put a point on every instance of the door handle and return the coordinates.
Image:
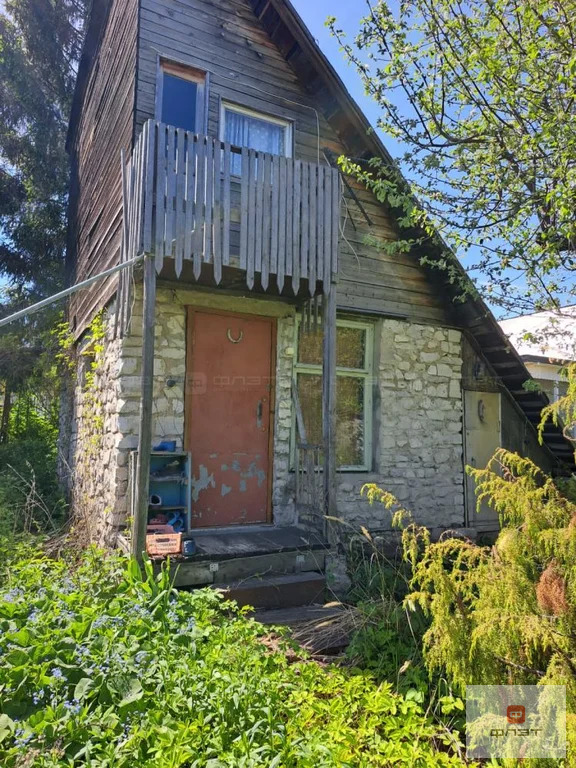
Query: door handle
(259, 411)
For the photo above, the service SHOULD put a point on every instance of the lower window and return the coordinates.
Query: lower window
(354, 354)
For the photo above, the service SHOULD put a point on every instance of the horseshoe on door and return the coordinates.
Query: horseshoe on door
(234, 341)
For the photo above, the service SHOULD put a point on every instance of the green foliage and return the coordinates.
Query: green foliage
(387, 642)
(563, 411)
(506, 614)
(387, 636)
(490, 153)
(92, 411)
(30, 496)
(102, 666)
(389, 631)
(40, 42)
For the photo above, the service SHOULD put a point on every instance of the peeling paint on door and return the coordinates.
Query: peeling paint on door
(203, 481)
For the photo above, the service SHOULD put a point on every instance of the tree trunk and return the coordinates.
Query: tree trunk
(6, 409)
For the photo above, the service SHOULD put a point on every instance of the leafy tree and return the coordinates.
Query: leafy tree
(482, 96)
(40, 43)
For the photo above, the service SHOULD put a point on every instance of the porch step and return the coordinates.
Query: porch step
(286, 591)
(229, 557)
(191, 573)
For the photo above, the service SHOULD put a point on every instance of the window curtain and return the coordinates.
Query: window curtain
(246, 131)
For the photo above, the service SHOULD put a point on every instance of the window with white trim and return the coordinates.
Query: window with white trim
(354, 364)
(243, 127)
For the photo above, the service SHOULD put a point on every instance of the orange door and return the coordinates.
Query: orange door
(229, 419)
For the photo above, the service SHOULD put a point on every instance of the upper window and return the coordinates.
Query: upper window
(181, 92)
(354, 356)
(245, 128)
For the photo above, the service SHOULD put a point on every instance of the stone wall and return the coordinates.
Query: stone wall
(97, 477)
(418, 429)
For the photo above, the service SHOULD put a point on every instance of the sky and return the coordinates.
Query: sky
(348, 14)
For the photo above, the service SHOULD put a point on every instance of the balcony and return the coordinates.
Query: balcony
(193, 198)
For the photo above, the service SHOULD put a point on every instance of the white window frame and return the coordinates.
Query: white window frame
(365, 373)
(240, 110)
(185, 72)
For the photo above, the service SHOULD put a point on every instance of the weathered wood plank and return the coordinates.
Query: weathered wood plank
(244, 184)
(190, 194)
(208, 208)
(281, 267)
(312, 230)
(329, 399)
(217, 218)
(149, 186)
(320, 205)
(274, 217)
(336, 198)
(226, 159)
(266, 222)
(259, 223)
(288, 270)
(251, 216)
(159, 239)
(297, 203)
(305, 224)
(170, 191)
(199, 205)
(179, 202)
(146, 401)
(326, 254)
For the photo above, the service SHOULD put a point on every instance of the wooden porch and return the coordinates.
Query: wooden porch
(204, 209)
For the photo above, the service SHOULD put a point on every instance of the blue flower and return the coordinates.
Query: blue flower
(73, 707)
(57, 673)
(13, 595)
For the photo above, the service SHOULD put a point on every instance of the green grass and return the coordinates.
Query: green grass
(102, 666)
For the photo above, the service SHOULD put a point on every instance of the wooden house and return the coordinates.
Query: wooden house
(259, 330)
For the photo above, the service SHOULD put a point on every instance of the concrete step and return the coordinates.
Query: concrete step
(192, 573)
(283, 591)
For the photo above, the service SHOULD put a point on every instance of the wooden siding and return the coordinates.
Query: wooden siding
(185, 204)
(105, 127)
(225, 38)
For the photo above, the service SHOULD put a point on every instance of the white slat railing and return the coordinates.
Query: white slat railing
(195, 198)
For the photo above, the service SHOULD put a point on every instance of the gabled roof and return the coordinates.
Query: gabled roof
(287, 30)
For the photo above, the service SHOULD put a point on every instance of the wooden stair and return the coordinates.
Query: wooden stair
(282, 591)
(265, 566)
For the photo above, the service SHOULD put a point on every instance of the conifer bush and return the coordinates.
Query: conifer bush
(504, 614)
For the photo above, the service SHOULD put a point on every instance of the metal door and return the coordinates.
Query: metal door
(229, 417)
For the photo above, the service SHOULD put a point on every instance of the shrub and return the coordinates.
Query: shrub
(504, 614)
(387, 639)
(30, 496)
(101, 666)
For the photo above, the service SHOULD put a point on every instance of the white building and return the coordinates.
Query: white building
(546, 341)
